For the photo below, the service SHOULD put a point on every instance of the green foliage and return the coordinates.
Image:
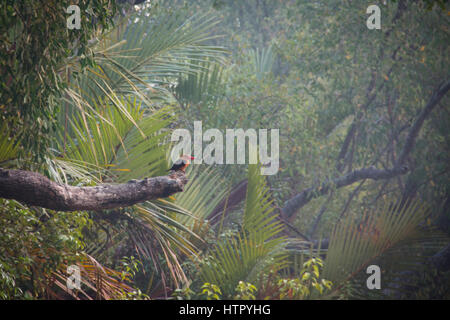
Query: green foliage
(130, 266)
(380, 80)
(210, 291)
(201, 87)
(255, 250)
(35, 44)
(245, 291)
(183, 294)
(355, 244)
(329, 73)
(120, 110)
(105, 101)
(307, 285)
(205, 189)
(117, 148)
(144, 57)
(406, 270)
(325, 61)
(114, 128)
(33, 243)
(8, 149)
(262, 61)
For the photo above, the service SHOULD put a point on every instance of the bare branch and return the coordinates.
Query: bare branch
(414, 131)
(301, 199)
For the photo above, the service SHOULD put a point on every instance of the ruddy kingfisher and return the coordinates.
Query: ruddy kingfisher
(182, 163)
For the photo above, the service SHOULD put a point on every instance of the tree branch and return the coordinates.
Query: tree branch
(34, 189)
(302, 198)
(414, 131)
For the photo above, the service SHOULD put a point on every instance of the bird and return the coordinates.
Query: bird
(182, 163)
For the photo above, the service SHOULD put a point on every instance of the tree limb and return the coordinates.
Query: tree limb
(34, 189)
(302, 198)
(414, 131)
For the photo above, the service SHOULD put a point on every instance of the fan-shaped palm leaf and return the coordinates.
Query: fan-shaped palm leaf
(97, 282)
(262, 61)
(200, 86)
(403, 266)
(258, 246)
(354, 245)
(143, 56)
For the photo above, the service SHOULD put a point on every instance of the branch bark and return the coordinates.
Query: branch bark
(298, 201)
(414, 131)
(301, 199)
(34, 189)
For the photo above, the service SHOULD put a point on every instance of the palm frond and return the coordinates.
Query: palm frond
(97, 282)
(139, 157)
(405, 265)
(134, 66)
(8, 149)
(118, 151)
(353, 244)
(258, 247)
(201, 86)
(97, 133)
(204, 191)
(76, 171)
(147, 54)
(262, 61)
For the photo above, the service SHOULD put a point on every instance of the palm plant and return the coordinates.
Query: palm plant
(201, 87)
(262, 61)
(101, 282)
(141, 60)
(117, 120)
(258, 247)
(394, 237)
(204, 191)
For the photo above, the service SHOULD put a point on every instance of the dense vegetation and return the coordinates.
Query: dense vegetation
(364, 148)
